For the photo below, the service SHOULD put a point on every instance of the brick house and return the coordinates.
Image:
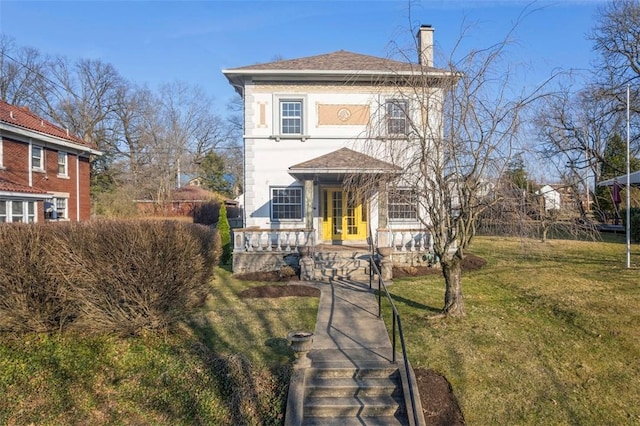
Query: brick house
(44, 169)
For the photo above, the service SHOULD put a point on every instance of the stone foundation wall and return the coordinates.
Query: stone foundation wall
(244, 262)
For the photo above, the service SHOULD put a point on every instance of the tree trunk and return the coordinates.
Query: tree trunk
(453, 299)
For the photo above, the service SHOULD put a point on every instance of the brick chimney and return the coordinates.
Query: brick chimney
(425, 44)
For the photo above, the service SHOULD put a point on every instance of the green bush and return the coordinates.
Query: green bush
(634, 214)
(225, 236)
(105, 276)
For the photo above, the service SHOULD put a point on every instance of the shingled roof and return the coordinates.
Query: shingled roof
(345, 160)
(24, 118)
(341, 60)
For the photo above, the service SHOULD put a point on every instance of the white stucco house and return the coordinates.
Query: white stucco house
(307, 126)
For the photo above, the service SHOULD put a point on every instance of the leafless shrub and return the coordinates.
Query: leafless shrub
(135, 276)
(105, 276)
(35, 294)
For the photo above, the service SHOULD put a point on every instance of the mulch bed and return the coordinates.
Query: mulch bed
(439, 404)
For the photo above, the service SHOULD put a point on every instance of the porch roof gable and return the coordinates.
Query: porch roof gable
(341, 162)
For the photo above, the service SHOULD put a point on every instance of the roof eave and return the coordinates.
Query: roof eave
(48, 138)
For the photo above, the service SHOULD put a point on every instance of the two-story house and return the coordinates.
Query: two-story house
(309, 124)
(44, 169)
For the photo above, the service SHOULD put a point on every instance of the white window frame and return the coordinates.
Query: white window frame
(61, 205)
(402, 205)
(28, 212)
(297, 120)
(396, 110)
(39, 167)
(64, 164)
(290, 199)
(278, 130)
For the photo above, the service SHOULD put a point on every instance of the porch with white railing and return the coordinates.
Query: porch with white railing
(267, 240)
(265, 249)
(290, 240)
(410, 240)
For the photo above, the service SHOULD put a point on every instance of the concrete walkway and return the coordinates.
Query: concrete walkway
(348, 331)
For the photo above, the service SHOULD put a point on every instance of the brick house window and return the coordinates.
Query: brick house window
(57, 208)
(62, 163)
(286, 204)
(17, 211)
(37, 161)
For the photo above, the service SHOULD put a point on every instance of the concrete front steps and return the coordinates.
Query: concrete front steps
(353, 396)
(341, 263)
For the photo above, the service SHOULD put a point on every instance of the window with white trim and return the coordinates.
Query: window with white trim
(37, 159)
(63, 163)
(291, 117)
(286, 203)
(396, 114)
(403, 205)
(61, 208)
(17, 211)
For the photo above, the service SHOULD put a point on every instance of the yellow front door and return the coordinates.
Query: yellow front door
(344, 217)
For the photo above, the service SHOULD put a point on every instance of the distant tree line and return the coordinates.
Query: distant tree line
(148, 137)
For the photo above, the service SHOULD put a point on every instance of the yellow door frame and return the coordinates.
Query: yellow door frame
(342, 218)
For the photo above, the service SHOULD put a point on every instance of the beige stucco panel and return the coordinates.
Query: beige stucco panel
(344, 114)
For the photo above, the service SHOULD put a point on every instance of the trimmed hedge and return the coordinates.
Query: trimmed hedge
(105, 276)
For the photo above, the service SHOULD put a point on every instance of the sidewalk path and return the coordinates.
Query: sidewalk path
(348, 331)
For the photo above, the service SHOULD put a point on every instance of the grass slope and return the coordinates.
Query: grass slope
(228, 366)
(551, 335)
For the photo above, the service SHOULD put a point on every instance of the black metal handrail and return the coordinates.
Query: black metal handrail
(375, 270)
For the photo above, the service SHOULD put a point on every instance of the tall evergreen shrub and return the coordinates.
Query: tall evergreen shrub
(225, 235)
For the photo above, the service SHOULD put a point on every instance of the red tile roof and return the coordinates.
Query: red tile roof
(8, 186)
(23, 117)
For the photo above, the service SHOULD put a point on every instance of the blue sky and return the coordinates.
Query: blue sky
(153, 42)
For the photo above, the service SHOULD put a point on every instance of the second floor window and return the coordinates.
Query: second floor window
(62, 163)
(37, 161)
(291, 117)
(396, 117)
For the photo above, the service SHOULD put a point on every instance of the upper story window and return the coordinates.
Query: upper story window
(62, 163)
(37, 159)
(291, 117)
(397, 113)
(286, 204)
(403, 205)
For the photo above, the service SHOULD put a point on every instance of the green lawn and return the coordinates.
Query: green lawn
(228, 365)
(551, 336)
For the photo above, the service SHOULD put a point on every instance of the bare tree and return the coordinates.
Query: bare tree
(462, 126)
(21, 70)
(617, 39)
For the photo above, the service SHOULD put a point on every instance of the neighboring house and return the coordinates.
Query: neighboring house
(307, 125)
(552, 197)
(44, 169)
